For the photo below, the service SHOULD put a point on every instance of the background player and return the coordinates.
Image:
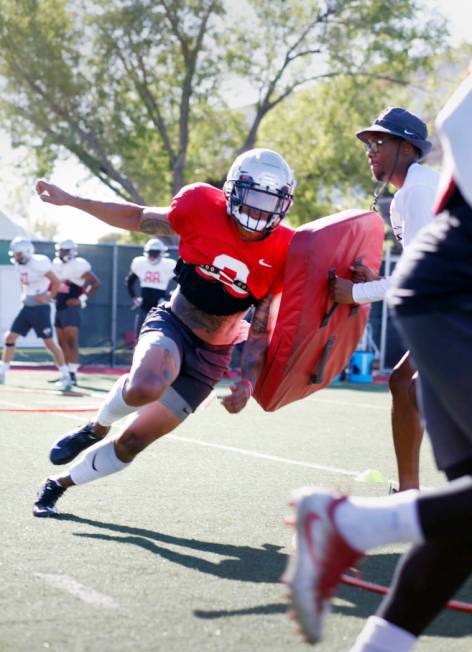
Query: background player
(78, 283)
(154, 271)
(39, 286)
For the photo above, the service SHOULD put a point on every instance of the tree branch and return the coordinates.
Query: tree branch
(89, 139)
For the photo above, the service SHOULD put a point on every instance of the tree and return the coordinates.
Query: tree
(45, 228)
(110, 238)
(315, 130)
(133, 88)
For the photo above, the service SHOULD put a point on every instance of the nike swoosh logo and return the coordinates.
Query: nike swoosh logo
(93, 462)
(263, 263)
(310, 518)
(409, 133)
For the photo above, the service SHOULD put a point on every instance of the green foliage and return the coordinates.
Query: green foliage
(316, 132)
(113, 237)
(133, 88)
(45, 228)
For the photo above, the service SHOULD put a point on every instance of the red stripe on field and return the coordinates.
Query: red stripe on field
(106, 371)
(49, 410)
(456, 605)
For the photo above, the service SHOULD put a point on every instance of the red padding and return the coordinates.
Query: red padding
(299, 343)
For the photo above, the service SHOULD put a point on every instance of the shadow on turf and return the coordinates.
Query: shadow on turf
(242, 563)
(265, 564)
(93, 388)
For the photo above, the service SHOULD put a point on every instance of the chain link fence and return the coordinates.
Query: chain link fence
(107, 331)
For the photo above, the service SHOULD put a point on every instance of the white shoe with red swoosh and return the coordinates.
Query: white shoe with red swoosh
(320, 558)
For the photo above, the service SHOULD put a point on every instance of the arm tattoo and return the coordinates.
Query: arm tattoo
(258, 341)
(260, 318)
(155, 225)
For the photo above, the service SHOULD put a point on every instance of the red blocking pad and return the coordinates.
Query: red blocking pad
(313, 338)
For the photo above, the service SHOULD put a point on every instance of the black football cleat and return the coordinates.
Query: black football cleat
(59, 381)
(69, 446)
(48, 493)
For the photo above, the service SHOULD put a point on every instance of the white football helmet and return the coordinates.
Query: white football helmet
(154, 249)
(259, 189)
(24, 249)
(68, 248)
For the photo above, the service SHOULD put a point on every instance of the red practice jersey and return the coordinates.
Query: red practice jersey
(211, 245)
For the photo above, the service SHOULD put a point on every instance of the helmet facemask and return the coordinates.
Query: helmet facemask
(154, 256)
(259, 190)
(66, 250)
(20, 251)
(154, 250)
(256, 208)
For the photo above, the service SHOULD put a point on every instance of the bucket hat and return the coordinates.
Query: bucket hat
(403, 124)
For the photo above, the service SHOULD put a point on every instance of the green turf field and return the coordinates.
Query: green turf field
(183, 551)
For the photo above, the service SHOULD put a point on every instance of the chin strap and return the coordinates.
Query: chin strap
(379, 190)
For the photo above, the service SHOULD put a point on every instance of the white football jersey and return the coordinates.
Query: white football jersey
(72, 270)
(32, 275)
(155, 276)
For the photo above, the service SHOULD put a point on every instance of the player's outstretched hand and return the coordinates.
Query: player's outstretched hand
(240, 395)
(52, 194)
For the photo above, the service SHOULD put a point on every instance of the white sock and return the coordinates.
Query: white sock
(367, 523)
(379, 635)
(115, 407)
(4, 365)
(73, 367)
(64, 371)
(98, 461)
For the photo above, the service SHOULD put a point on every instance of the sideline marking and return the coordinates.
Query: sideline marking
(241, 451)
(9, 403)
(50, 392)
(264, 456)
(58, 411)
(47, 410)
(78, 590)
(249, 453)
(276, 458)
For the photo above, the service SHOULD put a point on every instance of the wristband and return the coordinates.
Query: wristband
(247, 382)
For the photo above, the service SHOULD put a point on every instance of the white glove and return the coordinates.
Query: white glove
(137, 301)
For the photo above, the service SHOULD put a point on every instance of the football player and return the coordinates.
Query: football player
(232, 251)
(154, 270)
(78, 283)
(39, 287)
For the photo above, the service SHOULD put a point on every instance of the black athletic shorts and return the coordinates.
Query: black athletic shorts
(441, 346)
(37, 318)
(69, 316)
(202, 364)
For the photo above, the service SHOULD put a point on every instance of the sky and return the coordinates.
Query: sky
(459, 15)
(84, 228)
